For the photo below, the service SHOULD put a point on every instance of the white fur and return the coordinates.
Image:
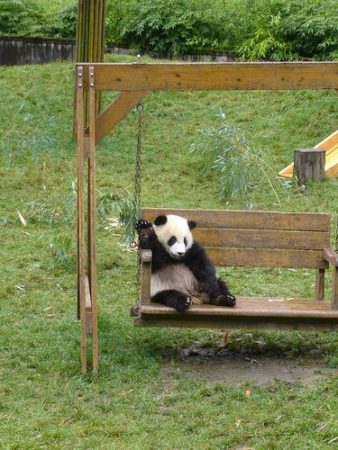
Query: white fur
(176, 276)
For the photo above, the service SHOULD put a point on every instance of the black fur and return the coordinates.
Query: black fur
(195, 259)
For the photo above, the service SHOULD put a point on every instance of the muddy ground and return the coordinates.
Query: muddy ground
(236, 368)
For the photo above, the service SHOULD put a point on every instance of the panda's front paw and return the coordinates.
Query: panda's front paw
(142, 225)
(225, 300)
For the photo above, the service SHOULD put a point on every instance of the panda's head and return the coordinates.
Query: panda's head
(174, 233)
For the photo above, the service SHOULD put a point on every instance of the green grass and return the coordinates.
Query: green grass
(44, 401)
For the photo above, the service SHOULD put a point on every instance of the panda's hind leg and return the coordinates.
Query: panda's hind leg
(173, 299)
(223, 297)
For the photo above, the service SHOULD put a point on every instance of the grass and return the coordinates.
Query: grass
(44, 401)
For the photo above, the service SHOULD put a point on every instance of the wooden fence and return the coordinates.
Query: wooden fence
(16, 50)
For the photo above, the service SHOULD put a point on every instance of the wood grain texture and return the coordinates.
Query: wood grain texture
(265, 220)
(320, 284)
(309, 165)
(252, 306)
(216, 76)
(92, 217)
(81, 257)
(255, 257)
(115, 112)
(273, 239)
(249, 312)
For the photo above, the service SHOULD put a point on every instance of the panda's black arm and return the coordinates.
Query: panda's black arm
(204, 271)
(147, 240)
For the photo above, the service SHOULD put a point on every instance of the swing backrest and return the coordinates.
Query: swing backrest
(257, 238)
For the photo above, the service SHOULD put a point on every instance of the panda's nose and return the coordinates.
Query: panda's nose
(180, 253)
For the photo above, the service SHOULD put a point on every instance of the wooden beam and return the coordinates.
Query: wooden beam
(81, 258)
(116, 111)
(216, 76)
(92, 216)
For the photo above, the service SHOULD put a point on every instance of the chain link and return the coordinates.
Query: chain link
(137, 191)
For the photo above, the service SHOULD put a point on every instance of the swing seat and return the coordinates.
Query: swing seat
(252, 239)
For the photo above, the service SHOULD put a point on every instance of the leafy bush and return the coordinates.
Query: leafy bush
(22, 17)
(287, 30)
(171, 26)
(64, 25)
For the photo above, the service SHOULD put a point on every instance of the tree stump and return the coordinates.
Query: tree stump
(308, 165)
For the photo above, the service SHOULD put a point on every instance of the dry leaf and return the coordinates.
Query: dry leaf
(248, 393)
(22, 219)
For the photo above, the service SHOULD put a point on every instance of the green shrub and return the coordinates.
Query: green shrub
(287, 30)
(171, 26)
(64, 25)
(22, 17)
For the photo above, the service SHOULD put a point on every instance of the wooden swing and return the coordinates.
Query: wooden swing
(233, 238)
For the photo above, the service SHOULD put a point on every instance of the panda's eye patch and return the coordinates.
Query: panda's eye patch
(185, 242)
(172, 241)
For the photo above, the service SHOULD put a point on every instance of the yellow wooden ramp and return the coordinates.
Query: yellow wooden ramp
(330, 145)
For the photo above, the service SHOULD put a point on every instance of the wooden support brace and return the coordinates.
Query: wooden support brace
(115, 112)
(320, 284)
(332, 257)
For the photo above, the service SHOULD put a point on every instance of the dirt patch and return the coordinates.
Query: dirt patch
(234, 369)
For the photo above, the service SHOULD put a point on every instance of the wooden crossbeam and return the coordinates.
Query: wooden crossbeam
(215, 76)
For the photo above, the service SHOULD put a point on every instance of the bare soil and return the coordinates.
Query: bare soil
(235, 369)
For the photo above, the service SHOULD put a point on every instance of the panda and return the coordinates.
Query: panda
(182, 273)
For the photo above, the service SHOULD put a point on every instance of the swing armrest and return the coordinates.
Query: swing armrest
(330, 256)
(146, 255)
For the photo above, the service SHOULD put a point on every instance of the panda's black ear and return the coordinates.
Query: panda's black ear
(192, 224)
(160, 220)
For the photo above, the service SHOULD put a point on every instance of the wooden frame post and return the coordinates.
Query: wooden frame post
(86, 187)
(134, 81)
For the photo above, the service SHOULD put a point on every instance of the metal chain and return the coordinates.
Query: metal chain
(138, 168)
(137, 195)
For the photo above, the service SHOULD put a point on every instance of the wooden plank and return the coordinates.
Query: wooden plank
(249, 313)
(216, 76)
(255, 257)
(252, 307)
(81, 262)
(274, 239)
(115, 112)
(224, 322)
(265, 220)
(92, 217)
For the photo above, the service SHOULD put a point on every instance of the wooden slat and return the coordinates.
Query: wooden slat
(115, 112)
(279, 239)
(254, 257)
(248, 313)
(216, 76)
(252, 307)
(266, 220)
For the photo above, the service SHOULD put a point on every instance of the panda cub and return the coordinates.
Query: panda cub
(182, 273)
